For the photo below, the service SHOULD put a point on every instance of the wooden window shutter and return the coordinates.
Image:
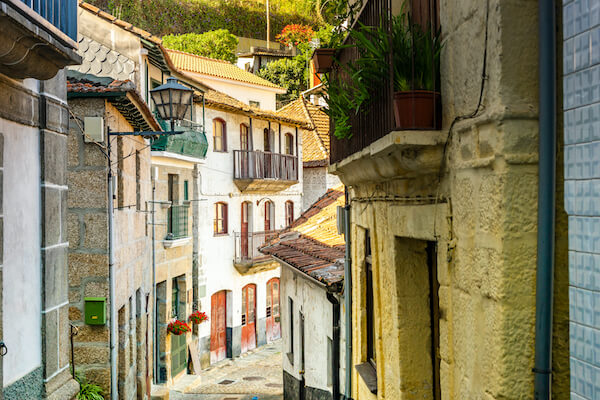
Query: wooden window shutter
(426, 11)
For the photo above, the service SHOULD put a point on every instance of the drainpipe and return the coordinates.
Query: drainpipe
(348, 299)
(111, 269)
(335, 356)
(155, 346)
(546, 201)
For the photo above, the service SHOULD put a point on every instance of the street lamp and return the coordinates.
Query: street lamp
(172, 100)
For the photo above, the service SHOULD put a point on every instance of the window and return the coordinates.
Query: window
(289, 212)
(219, 135)
(269, 216)
(254, 103)
(289, 144)
(220, 219)
(244, 137)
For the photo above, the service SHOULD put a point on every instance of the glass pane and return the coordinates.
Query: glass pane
(269, 291)
(251, 304)
(243, 304)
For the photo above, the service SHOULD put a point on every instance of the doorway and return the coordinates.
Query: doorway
(218, 326)
(273, 317)
(248, 317)
(178, 342)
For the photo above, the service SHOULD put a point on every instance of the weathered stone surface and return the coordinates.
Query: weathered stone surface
(50, 341)
(73, 230)
(54, 157)
(83, 266)
(55, 276)
(92, 354)
(51, 215)
(87, 189)
(99, 376)
(93, 333)
(95, 228)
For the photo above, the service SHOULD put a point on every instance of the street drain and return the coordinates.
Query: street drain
(274, 385)
(253, 378)
(226, 382)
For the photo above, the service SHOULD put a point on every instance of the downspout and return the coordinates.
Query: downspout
(111, 269)
(155, 346)
(348, 299)
(546, 200)
(335, 356)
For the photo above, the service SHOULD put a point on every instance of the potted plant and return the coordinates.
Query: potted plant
(416, 60)
(177, 327)
(198, 317)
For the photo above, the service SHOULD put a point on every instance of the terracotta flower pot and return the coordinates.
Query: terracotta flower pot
(418, 109)
(323, 59)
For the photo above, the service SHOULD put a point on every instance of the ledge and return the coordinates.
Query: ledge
(30, 47)
(368, 375)
(398, 154)
(262, 185)
(176, 242)
(256, 265)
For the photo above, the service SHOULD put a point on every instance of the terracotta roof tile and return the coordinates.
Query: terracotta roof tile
(311, 244)
(218, 68)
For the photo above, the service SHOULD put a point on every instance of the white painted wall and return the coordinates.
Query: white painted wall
(21, 296)
(310, 299)
(244, 92)
(216, 181)
(316, 182)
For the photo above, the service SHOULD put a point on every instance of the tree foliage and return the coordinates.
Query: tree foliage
(219, 44)
(289, 73)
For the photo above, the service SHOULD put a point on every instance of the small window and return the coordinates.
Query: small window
(219, 135)
(186, 193)
(254, 103)
(289, 144)
(244, 137)
(220, 227)
(289, 212)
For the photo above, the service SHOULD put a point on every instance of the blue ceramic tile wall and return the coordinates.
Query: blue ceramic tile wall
(581, 86)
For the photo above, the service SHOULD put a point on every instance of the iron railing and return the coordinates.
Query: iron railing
(264, 165)
(60, 13)
(377, 119)
(177, 226)
(248, 243)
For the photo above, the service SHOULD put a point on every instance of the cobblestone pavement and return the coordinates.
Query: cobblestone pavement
(256, 373)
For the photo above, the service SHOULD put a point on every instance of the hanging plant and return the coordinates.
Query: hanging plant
(178, 327)
(198, 317)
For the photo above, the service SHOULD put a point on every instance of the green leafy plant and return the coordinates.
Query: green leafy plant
(288, 73)
(88, 391)
(219, 44)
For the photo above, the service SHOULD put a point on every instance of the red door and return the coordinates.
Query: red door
(248, 317)
(218, 327)
(273, 324)
(244, 234)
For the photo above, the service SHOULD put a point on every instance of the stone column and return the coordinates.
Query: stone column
(54, 122)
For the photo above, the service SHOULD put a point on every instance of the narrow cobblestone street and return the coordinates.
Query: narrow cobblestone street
(257, 373)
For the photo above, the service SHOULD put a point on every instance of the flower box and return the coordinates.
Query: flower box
(198, 317)
(178, 327)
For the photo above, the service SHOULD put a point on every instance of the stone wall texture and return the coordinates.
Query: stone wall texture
(483, 228)
(580, 63)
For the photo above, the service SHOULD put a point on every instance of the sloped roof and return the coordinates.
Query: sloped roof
(103, 61)
(311, 244)
(217, 68)
(315, 142)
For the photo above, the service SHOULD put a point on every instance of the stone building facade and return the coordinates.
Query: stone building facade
(122, 110)
(34, 326)
(444, 227)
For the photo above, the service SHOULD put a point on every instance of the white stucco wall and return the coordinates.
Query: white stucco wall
(316, 182)
(217, 185)
(310, 299)
(21, 296)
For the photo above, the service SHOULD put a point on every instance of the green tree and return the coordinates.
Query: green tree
(288, 73)
(219, 44)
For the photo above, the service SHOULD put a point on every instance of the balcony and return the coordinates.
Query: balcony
(247, 257)
(257, 171)
(177, 226)
(37, 37)
(191, 143)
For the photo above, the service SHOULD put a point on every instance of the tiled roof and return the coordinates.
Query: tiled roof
(99, 60)
(83, 85)
(311, 244)
(315, 142)
(217, 68)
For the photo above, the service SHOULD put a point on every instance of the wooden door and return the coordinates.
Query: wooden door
(273, 317)
(248, 317)
(179, 350)
(244, 234)
(245, 153)
(218, 326)
(269, 222)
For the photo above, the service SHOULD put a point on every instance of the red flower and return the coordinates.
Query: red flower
(178, 327)
(198, 317)
(295, 34)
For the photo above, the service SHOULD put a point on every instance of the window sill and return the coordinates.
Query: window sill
(176, 242)
(368, 375)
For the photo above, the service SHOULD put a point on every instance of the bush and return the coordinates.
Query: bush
(218, 44)
(289, 73)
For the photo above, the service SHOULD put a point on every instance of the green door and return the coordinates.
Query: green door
(178, 343)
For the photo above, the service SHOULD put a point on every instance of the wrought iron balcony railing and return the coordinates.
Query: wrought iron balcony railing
(248, 243)
(191, 143)
(60, 13)
(178, 222)
(264, 165)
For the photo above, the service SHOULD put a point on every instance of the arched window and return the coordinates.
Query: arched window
(244, 137)
(269, 216)
(220, 226)
(289, 144)
(219, 135)
(289, 212)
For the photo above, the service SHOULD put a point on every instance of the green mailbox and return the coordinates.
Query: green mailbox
(95, 310)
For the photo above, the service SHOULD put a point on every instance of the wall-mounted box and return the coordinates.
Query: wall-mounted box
(94, 129)
(95, 310)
